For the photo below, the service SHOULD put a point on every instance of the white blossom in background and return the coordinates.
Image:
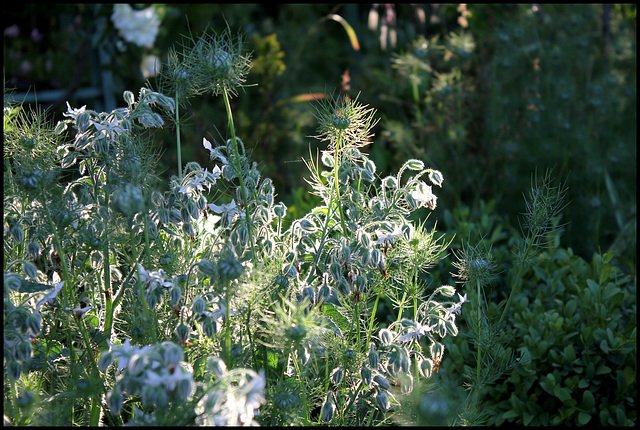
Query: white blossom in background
(136, 26)
(150, 66)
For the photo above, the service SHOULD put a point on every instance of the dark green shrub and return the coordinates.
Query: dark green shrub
(577, 322)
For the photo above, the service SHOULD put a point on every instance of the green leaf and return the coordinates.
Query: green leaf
(604, 346)
(588, 401)
(32, 287)
(561, 393)
(336, 318)
(583, 418)
(602, 370)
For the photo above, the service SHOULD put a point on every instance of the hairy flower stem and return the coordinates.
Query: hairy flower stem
(143, 297)
(178, 137)
(227, 326)
(108, 322)
(337, 184)
(479, 361)
(232, 129)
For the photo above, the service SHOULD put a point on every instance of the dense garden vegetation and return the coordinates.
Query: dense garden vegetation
(320, 214)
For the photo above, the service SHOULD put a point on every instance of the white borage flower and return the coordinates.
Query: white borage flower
(251, 394)
(48, 298)
(228, 212)
(80, 312)
(110, 128)
(136, 26)
(423, 195)
(200, 181)
(152, 280)
(125, 352)
(386, 237)
(74, 113)
(415, 330)
(215, 152)
(456, 307)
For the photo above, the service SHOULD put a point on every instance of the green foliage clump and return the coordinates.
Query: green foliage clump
(577, 323)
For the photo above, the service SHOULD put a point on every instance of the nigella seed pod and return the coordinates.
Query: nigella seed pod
(341, 123)
(295, 332)
(25, 399)
(31, 179)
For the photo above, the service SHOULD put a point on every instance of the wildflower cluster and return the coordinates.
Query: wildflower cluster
(232, 307)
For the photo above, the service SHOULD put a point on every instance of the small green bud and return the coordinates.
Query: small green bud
(341, 123)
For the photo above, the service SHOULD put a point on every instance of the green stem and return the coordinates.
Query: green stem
(373, 316)
(479, 343)
(337, 184)
(227, 328)
(143, 297)
(178, 137)
(245, 197)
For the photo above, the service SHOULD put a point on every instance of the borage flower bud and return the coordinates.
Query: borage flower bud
(382, 382)
(328, 408)
(115, 401)
(128, 200)
(365, 374)
(182, 333)
(382, 399)
(337, 375)
(198, 305)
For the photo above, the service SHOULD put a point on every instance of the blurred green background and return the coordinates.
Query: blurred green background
(485, 93)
